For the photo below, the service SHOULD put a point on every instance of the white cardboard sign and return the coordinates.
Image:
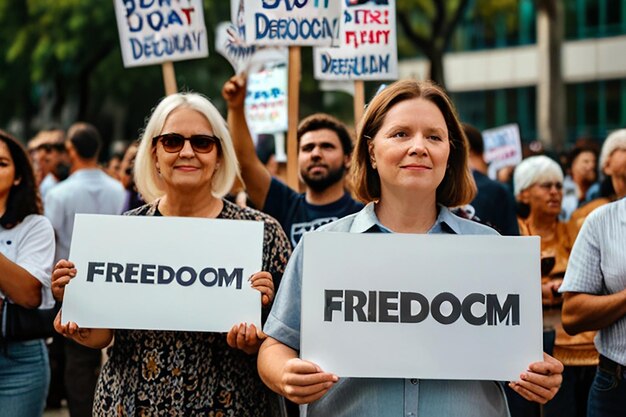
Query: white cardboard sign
(367, 44)
(421, 306)
(152, 32)
(292, 22)
(163, 273)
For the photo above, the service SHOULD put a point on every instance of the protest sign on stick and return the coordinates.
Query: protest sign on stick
(367, 48)
(157, 32)
(292, 23)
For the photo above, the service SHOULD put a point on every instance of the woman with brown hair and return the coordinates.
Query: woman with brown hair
(409, 166)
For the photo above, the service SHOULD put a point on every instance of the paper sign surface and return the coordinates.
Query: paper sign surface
(153, 32)
(163, 273)
(367, 44)
(421, 306)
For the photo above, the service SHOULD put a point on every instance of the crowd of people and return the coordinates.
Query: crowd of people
(412, 167)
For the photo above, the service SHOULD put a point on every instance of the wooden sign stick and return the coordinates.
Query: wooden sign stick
(359, 102)
(169, 78)
(295, 68)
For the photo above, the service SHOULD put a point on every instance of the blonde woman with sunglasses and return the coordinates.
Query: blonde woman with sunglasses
(185, 165)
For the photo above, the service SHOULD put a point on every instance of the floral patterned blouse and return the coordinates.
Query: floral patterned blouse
(168, 373)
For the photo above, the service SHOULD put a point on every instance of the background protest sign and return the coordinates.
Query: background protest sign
(367, 47)
(292, 22)
(266, 100)
(153, 32)
(503, 147)
(418, 306)
(172, 273)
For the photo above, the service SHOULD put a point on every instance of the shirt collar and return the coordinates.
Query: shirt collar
(367, 221)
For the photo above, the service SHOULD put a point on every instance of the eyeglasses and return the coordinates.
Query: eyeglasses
(548, 185)
(174, 142)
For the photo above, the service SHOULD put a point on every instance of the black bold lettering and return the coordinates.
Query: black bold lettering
(467, 309)
(192, 276)
(371, 306)
(204, 273)
(436, 308)
(130, 272)
(161, 274)
(509, 311)
(330, 304)
(406, 299)
(114, 271)
(94, 268)
(146, 272)
(355, 302)
(224, 277)
(384, 305)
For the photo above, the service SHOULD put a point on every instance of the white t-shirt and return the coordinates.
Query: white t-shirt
(30, 244)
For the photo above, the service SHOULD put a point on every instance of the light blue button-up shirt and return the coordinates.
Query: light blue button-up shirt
(375, 397)
(89, 191)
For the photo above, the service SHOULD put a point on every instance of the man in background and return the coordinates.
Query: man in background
(87, 190)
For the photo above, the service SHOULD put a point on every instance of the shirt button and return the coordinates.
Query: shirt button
(414, 381)
(411, 414)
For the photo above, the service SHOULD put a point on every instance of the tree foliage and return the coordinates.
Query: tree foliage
(429, 25)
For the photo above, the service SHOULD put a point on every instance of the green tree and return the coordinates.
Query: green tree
(429, 25)
(60, 61)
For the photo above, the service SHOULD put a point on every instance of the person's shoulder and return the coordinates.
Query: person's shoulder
(340, 225)
(608, 212)
(110, 182)
(35, 222)
(233, 211)
(61, 189)
(464, 226)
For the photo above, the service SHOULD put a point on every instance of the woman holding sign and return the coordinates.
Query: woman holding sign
(409, 165)
(26, 258)
(185, 164)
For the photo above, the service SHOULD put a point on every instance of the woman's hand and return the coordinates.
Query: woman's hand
(541, 381)
(263, 282)
(304, 382)
(93, 338)
(71, 329)
(245, 337)
(63, 272)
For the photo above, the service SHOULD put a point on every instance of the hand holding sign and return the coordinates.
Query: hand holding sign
(542, 380)
(63, 272)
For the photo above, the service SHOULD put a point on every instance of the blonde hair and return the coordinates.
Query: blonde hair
(147, 179)
(457, 187)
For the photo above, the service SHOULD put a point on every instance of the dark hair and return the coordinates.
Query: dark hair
(474, 139)
(265, 147)
(85, 139)
(457, 187)
(319, 121)
(24, 197)
(575, 153)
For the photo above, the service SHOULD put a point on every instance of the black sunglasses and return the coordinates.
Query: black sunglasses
(174, 142)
